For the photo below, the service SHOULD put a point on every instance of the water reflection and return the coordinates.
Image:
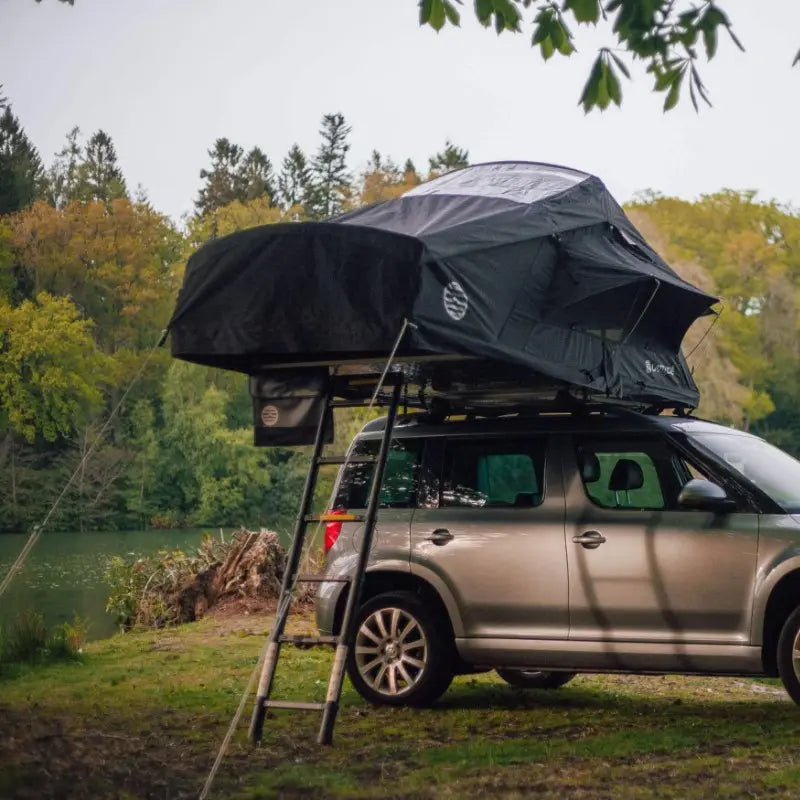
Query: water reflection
(63, 575)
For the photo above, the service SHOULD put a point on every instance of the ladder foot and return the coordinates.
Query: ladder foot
(328, 720)
(257, 720)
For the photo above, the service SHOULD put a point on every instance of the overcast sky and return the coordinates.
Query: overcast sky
(167, 77)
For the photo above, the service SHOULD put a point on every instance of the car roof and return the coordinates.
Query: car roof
(617, 422)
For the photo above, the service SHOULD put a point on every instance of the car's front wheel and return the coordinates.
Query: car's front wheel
(403, 652)
(534, 678)
(789, 655)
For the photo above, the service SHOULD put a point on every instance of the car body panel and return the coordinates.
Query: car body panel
(660, 575)
(581, 656)
(669, 590)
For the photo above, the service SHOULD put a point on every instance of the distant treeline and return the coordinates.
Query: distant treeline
(88, 277)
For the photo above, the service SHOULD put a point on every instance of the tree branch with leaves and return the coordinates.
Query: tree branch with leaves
(669, 36)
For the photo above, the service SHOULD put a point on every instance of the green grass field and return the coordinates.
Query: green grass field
(142, 715)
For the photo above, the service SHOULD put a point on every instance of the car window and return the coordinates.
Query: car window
(644, 474)
(400, 478)
(497, 473)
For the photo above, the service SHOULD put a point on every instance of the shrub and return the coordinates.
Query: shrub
(67, 639)
(26, 638)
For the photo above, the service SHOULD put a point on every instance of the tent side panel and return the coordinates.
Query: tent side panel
(293, 294)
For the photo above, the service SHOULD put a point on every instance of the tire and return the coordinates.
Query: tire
(382, 666)
(534, 678)
(789, 655)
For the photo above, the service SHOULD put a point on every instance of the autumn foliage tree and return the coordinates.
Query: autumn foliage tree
(117, 263)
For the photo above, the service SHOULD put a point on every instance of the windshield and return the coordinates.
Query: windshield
(770, 469)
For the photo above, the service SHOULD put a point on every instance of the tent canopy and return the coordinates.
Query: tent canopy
(528, 265)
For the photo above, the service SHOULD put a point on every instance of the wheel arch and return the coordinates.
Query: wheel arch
(784, 598)
(379, 581)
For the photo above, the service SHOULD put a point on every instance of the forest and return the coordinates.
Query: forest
(89, 271)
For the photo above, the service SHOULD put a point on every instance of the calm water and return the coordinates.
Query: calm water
(63, 575)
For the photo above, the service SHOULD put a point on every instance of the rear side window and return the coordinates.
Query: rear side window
(400, 478)
(496, 473)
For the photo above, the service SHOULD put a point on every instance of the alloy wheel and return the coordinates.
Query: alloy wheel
(391, 651)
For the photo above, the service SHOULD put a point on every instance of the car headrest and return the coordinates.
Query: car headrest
(627, 475)
(590, 467)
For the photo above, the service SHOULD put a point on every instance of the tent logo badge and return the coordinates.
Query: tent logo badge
(455, 300)
(658, 369)
(269, 416)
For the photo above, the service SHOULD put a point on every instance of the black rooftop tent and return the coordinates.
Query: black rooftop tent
(526, 265)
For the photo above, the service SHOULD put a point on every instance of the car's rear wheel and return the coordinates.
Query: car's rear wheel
(534, 678)
(789, 655)
(403, 652)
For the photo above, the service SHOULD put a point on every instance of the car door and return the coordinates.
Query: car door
(641, 568)
(491, 537)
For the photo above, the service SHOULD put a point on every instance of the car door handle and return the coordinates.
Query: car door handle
(590, 539)
(440, 536)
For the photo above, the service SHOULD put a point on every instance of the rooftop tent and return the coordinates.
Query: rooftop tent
(527, 265)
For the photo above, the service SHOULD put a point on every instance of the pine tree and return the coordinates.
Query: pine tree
(222, 181)
(295, 179)
(255, 177)
(332, 182)
(452, 157)
(21, 172)
(100, 176)
(63, 177)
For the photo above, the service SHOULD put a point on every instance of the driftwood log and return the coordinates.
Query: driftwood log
(252, 570)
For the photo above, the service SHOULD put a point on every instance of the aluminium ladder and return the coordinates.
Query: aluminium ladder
(343, 641)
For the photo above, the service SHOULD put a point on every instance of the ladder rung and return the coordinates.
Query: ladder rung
(352, 403)
(308, 641)
(321, 579)
(294, 704)
(334, 518)
(346, 460)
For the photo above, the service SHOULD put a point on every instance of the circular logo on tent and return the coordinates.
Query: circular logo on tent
(455, 300)
(269, 416)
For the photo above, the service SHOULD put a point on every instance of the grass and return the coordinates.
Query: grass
(143, 714)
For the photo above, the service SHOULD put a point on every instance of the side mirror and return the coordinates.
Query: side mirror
(704, 495)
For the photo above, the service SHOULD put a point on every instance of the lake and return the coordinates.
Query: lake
(63, 575)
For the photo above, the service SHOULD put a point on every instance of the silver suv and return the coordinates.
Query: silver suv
(563, 543)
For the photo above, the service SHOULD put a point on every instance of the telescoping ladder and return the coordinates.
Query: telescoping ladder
(348, 387)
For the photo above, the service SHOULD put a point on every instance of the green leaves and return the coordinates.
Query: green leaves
(584, 10)
(551, 33)
(707, 22)
(504, 13)
(669, 79)
(603, 86)
(436, 12)
(667, 36)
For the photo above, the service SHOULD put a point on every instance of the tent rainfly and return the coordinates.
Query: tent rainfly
(528, 265)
